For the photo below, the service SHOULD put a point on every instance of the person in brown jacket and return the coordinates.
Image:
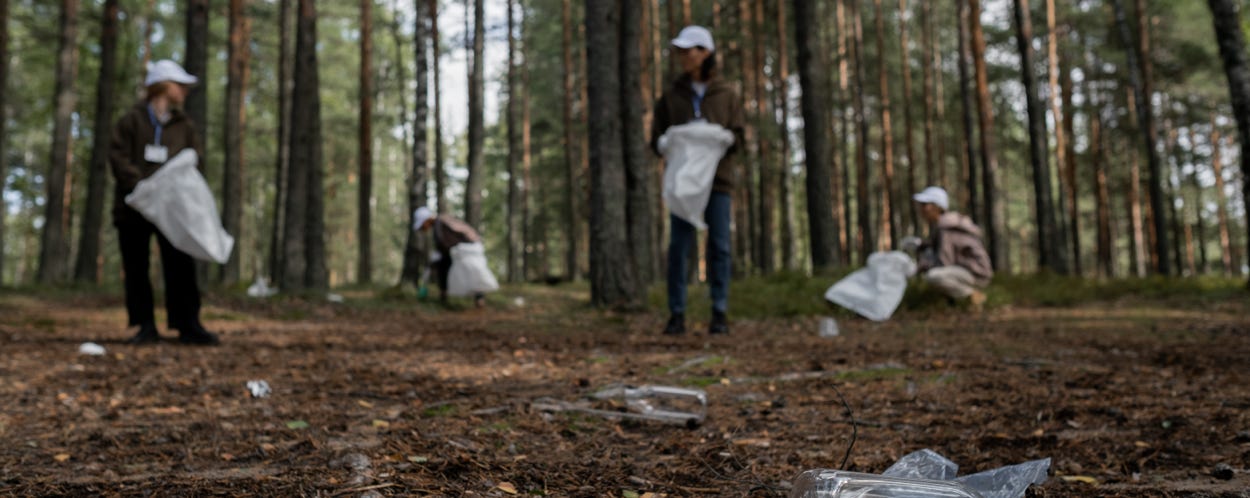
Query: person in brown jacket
(953, 259)
(699, 94)
(447, 232)
(149, 134)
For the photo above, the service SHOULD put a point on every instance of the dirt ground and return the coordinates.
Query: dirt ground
(1127, 398)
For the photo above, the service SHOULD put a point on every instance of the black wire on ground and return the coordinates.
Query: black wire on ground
(854, 426)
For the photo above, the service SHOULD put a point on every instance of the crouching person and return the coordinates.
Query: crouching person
(953, 259)
(448, 232)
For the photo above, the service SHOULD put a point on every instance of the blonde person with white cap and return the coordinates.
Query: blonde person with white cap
(953, 258)
(699, 94)
(447, 232)
(149, 134)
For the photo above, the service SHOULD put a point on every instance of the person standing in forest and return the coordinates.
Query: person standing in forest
(448, 232)
(953, 259)
(149, 134)
(697, 95)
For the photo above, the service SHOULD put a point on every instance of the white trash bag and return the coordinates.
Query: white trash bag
(692, 151)
(876, 290)
(178, 201)
(469, 274)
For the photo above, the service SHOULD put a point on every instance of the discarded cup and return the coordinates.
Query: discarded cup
(828, 327)
(825, 483)
(259, 388)
(91, 349)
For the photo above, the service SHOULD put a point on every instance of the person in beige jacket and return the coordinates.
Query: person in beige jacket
(953, 258)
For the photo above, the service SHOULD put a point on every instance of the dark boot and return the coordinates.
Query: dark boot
(719, 324)
(147, 335)
(676, 325)
(196, 334)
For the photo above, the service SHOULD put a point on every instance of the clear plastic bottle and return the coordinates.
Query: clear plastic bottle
(826, 483)
(673, 405)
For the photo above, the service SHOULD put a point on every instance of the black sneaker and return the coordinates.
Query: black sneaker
(719, 324)
(676, 325)
(147, 335)
(196, 334)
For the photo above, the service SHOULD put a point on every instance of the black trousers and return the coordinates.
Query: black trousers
(182, 294)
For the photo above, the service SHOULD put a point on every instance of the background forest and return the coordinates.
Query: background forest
(484, 114)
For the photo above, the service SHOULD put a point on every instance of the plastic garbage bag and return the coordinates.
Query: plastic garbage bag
(1010, 481)
(875, 290)
(923, 464)
(691, 153)
(261, 288)
(664, 404)
(178, 201)
(469, 274)
(825, 483)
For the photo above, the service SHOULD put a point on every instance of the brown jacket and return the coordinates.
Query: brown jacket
(956, 240)
(131, 133)
(721, 105)
(449, 231)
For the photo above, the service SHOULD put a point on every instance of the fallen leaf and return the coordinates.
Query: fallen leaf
(381, 424)
(418, 459)
(507, 487)
(61, 457)
(268, 447)
(1039, 433)
(1084, 479)
(629, 494)
(1141, 444)
(296, 424)
(227, 457)
(364, 403)
(171, 410)
(761, 442)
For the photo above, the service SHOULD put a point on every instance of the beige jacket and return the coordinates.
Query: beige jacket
(956, 240)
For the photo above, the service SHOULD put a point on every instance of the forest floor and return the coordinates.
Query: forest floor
(385, 397)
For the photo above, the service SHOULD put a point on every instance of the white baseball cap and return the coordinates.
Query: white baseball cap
(420, 216)
(167, 70)
(934, 195)
(695, 36)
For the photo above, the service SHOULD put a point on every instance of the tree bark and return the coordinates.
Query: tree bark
(1221, 204)
(783, 177)
(991, 183)
(440, 171)
(1228, 34)
(612, 284)
(766, 225)
(572, 213)
(1199, 201)
(1069, 168)
(1057, 70)
(237, 71)
(527, 241)
(477, 130)
(87, 268)
(1102, 190)
(842, 197)
(1140, 75)
(4, 115)
(913, 218)
(638, 196)
(281, 175)
(196, 63)
(364, 144)
(513, 265)
(304, 244)
(863, 202)
(926, 29)
(1049, 250)
(821, 225)
(971, 200)
(54, 254)
(889, 226)
(415, 249)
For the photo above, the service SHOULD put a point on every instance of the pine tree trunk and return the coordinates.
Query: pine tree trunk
(863, 198)
(53, 258)
(573, 190)
(1199, 200)
(196, 63)
(440, 172)
(913, 218)
(1069, 168)
(1049, 249)
(766, 226)
(612, 283)
(638, 195)
(281, 175)
(1102, 190)
(527, 240)
(1182, 253)
(477, 130)
(1056, 70)
(1232, 44)
(971, 200)
(1140, 76)
(783, 177)
(4, 121)
(364, 148)
(930, 161)
(1137, 244)
(888, 225)
(842, 197)
(991, 184)
(87, 268)
(304, 243)
(415, 248)
(238, 61)
(821, 225)
(512, 266)
(1221, 204)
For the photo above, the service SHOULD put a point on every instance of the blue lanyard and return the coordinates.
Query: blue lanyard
(698, 105)
(155, 124)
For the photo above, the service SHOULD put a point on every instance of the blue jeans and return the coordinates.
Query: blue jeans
(717, 217)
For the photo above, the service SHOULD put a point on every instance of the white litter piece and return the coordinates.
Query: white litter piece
(261, 288)
(91, 349)
(259, 388)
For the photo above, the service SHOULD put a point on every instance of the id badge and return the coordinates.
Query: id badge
(155, 153)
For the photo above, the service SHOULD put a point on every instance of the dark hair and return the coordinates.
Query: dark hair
(709, 66)
(157, 89)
